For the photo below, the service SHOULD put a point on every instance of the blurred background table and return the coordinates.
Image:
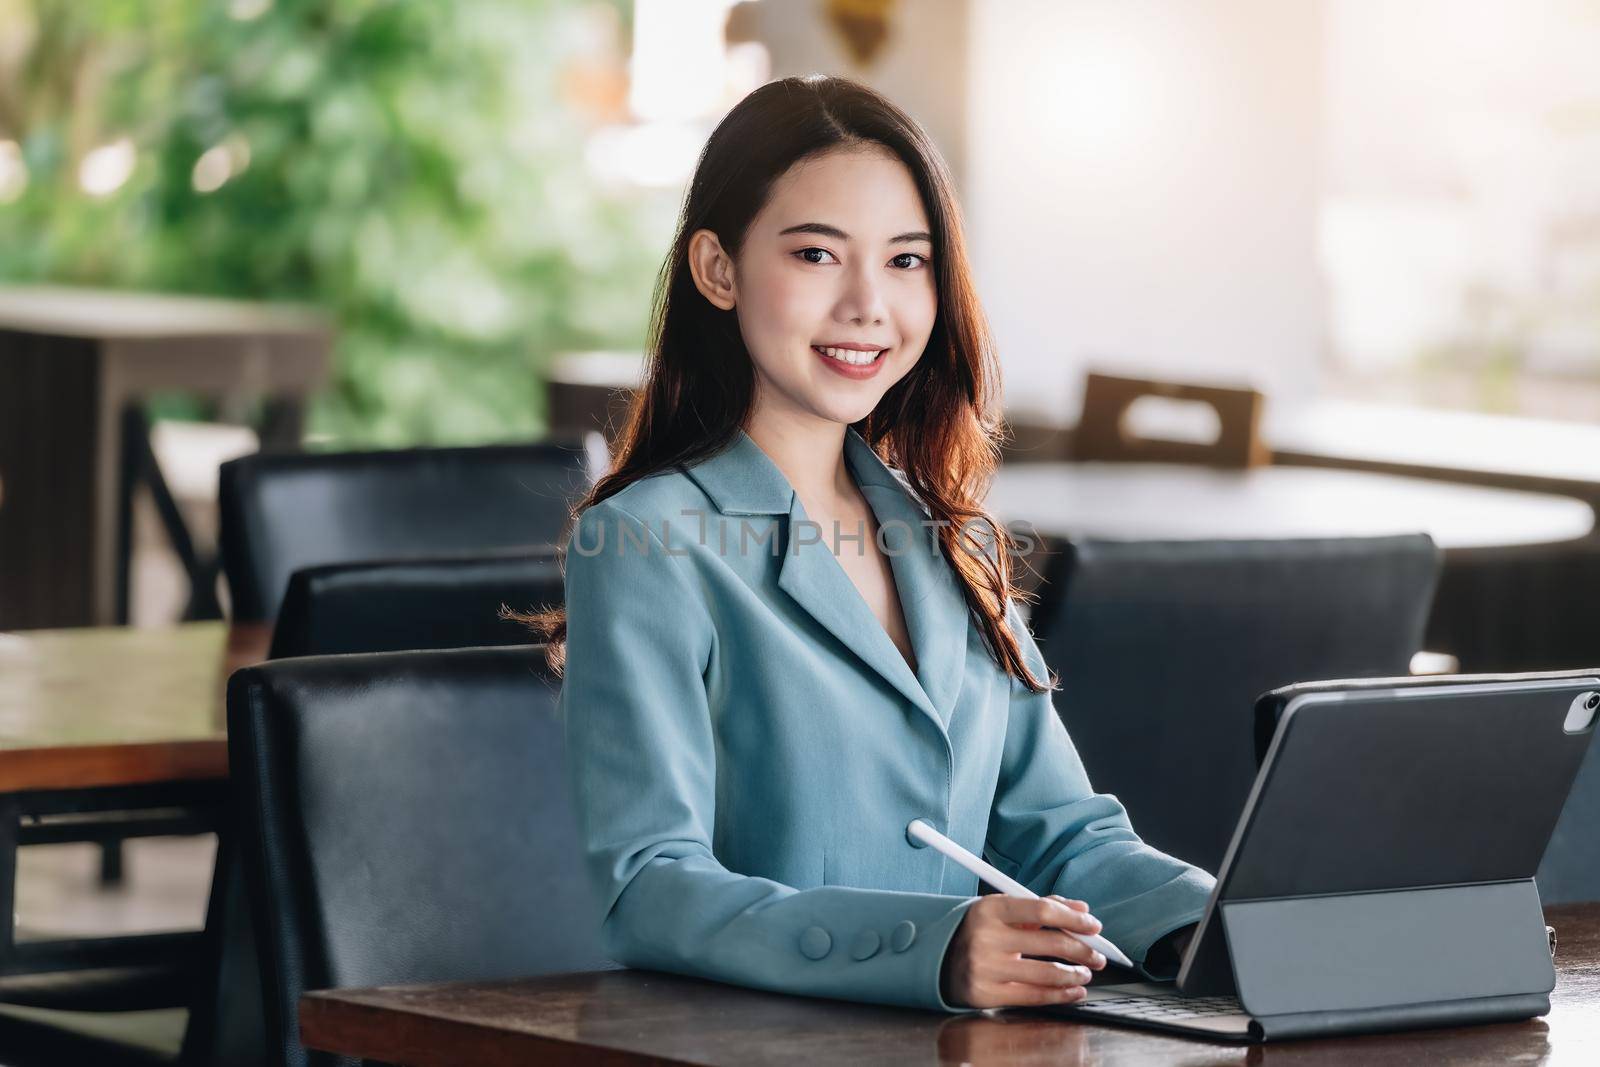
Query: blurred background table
(107, 734)
(1509, 596)
(117, 706)
(76, 366)
(1461, 446)
(1146, 501)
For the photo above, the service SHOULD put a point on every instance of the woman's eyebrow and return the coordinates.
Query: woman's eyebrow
(824, 230)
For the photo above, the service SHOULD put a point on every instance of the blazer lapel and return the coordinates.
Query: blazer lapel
(743, 480)
(813, 577)
(930, 595)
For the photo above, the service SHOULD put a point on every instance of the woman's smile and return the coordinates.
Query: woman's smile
(852, 361)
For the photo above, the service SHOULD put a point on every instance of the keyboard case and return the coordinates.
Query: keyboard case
(1381, 877)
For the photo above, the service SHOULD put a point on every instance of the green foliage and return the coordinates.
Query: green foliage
(409, 165)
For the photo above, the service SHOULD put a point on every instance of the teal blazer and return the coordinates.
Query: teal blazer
(746, 747)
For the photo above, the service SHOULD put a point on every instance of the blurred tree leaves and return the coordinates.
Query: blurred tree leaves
(409, 165)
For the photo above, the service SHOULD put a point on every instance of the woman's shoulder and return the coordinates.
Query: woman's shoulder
(663, 499)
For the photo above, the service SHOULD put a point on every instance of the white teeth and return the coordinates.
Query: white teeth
(848, 355)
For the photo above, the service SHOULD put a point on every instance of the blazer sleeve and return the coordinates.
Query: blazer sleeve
(642, 764)
(1052, 832)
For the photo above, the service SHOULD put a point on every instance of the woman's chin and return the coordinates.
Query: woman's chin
(845, 412)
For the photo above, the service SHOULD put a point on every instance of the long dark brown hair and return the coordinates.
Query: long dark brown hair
(940, 424)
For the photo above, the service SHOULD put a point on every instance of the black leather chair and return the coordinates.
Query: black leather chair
(345, 608)
(282, 512)
(389, 605)
(407, 819)
(1163, 647)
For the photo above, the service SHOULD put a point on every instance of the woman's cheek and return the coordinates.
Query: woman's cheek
(922, 308)
(793, 314)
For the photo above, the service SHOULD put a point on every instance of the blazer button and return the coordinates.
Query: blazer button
(866, 945)
(815, 943)
(904, 933)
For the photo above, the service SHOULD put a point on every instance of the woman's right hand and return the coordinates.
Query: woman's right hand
(984, 966)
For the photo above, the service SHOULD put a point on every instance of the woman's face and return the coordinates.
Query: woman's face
(834, 286)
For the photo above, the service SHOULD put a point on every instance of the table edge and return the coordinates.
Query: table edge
(110, 765)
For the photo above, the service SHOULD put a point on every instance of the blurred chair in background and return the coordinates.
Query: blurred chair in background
(349, 608)
(1106, 432)
(1163, 647)
(172, 543)
(592, 391)
(391, 605)
(281, 513)
(406, 820)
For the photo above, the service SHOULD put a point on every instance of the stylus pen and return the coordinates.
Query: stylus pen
(927, 835)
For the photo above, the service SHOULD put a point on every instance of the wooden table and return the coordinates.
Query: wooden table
(1466, 447)
(105, 734)
(75, 366)
(1147, 501)
(118, 706)
(621, 1017)
(1542, 454)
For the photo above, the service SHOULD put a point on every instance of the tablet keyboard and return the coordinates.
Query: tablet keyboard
(1163, 1009)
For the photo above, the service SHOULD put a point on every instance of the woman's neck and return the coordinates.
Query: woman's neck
(810, 453)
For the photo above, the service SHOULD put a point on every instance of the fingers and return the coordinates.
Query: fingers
(1075, 905)
(1000, 981)
(1012, 994)
(1047, 942)
(990, 968)
(1036, 972)
(1048, 911)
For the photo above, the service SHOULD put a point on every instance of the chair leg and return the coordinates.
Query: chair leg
(144, 467)
(227, 1015)
(111, 869)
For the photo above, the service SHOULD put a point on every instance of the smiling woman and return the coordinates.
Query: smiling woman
(850, 298)
(821, 215)
(753, 719)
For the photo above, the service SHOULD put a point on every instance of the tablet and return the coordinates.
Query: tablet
(1382, 785)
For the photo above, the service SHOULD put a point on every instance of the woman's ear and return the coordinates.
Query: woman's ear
(712, 269)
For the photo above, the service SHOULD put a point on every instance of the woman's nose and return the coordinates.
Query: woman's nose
(862, 300)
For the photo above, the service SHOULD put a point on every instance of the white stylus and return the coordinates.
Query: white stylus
(919, 831)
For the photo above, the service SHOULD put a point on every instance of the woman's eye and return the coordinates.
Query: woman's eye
(814, 255)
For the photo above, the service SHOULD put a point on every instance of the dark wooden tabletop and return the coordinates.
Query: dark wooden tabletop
(627, 1017)
(111, 706)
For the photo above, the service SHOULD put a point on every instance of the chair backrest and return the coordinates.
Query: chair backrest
(392, 605)
(405, 818)
(282, 512)
(1163, 647)
(1103, 432)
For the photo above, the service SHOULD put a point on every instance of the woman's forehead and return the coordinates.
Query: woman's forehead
(865, 191)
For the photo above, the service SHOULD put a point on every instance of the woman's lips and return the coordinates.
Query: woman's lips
(853, 371)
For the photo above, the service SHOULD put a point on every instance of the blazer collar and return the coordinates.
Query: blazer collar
(742, 479)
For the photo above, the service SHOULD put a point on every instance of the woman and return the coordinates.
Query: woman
(780, 650)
